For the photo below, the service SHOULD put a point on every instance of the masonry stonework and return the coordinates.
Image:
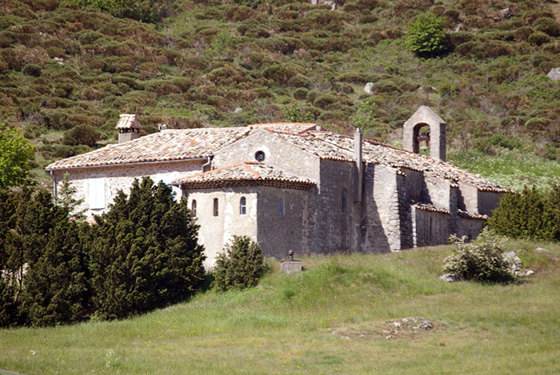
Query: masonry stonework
(303, 189)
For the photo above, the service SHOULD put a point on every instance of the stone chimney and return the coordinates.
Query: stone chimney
(128, 127)
(424, 116)
(359, 169)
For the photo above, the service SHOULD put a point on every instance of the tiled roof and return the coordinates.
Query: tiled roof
(169, 145)
(431, 208)
(128, 122)
(333, 146)
(243, 174)
(181, 145)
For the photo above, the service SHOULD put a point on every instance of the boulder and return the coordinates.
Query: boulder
(506, 13)
(369, 88)
(554, 74)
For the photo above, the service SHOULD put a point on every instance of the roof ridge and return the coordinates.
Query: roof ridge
(246, 166)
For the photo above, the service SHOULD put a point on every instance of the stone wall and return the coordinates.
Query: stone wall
(430, 228)
(121, 178)
(277, 233)
(217, 231)
(488, 201)
(278, 153)
(387, 202)
(468, 200)
(470, 227)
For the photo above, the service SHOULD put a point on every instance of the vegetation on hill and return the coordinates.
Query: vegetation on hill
(70, 63)
(343, 315)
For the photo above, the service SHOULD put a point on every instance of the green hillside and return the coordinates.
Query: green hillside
(67, 70)
(342, 315)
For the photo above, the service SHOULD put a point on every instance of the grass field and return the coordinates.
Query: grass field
(334, 318)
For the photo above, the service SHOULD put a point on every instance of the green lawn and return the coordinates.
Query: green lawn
(331, 319)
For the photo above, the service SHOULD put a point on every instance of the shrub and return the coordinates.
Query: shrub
(538, 38)
(82, 134)
(426, 36)
(240, 266)
(482, 260)
(547, 25)
(32, 70)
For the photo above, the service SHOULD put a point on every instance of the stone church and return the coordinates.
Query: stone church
(293, 186)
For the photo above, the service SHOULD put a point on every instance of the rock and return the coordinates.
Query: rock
(541, 250)
(506, 13)
(450, 277)
(459, 27)
(528, 273)
(426, 325)
(554, 74)
(237, 110)
(515, 263)
(369, 88)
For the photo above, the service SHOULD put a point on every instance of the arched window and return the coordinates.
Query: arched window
(243, 206)
(282, 207)
(344, 205)
(216, 207)
(193, 208)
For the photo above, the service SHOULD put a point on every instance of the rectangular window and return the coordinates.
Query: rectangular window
(97, 193)
(243, 206)
(216, 207)
(282, 207)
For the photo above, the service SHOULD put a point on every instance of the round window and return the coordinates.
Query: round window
(259, 156)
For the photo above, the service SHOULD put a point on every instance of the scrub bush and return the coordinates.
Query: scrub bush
(482, 260)
(240, 266)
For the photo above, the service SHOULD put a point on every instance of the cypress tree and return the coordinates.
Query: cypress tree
(39, 256)
(530, 215)
(145, 252)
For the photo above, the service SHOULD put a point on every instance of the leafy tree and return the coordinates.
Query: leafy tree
(15, 153)
(144, 252)
(426, 36)
(240, 265)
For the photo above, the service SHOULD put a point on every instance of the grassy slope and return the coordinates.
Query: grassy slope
(286, 325)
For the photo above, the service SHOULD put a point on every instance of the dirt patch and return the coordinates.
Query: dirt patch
(555, 8)
(405, 328)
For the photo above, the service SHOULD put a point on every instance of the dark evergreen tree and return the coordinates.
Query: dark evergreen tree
(40, 255)
(56, 288)
(530, 215)
(145, 252)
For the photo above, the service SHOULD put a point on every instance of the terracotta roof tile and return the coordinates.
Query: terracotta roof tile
(128, 122)
(181, 145)
(332, 146)
(243, 174)
(168, 145)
